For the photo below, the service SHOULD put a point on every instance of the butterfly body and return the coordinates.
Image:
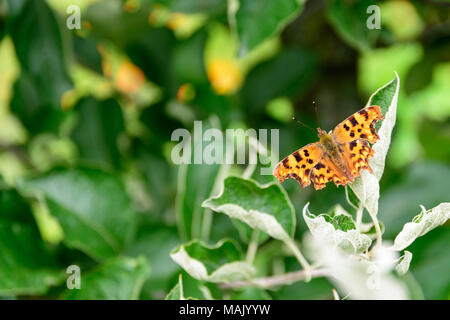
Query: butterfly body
(338, 156)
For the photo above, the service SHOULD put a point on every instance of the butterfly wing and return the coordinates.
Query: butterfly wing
(299, 164)
(325, 171)
(360, 125)
(357, 152)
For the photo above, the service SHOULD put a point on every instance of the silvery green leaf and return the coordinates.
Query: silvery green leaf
(421, 224)
(366, 187)
(350, 240)
(403, 266)
(217, 263)
(266, 207)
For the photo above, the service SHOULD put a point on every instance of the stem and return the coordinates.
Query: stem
(377, 231)
(273, 281)
(359, 214)
(206, 225)
(252, 247)
(300, 258)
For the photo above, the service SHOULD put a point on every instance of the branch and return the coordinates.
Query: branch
(284, 279)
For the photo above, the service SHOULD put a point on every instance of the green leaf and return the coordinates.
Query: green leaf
(258, 20)
(177, 291)
(91, 206)
(431, 263)
(118, 279)
(40, 50)
(426, 183)
(349, 19)
(156, 243)
(366, 187)
(266, 208)
(195, 183)
(294, 69)
(210, 7)
(96, 134)
(421, 224)
(26, 265)
(340, 231)
(218, 263)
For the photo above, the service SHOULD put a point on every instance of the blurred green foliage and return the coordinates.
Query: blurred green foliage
(86, 118)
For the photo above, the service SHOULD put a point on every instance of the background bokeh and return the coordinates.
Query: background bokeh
(86, 118)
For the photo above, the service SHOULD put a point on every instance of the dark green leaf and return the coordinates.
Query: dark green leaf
(99, 125)
(349, 19)
(118, 279)
(258, 20)
(92, 207)
(26, 265)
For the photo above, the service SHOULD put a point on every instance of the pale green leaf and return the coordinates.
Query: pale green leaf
(403, 265)
(349, 240)
(366, 187)
(266, 208)
(217, 263)
(421, 224)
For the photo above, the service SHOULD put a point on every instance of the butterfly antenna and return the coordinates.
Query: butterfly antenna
(317, 113)
(301, 123)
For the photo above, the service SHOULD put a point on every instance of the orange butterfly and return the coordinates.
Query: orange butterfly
(338, 156)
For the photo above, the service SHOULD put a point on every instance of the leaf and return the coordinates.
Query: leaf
(97, 131)
(403, 266)
(156, 243)
(39, 47)
(195, 183)
(258, 20)
(27, 267)
(176, 293)
(266, 208)
(91, 206)
(366, 187)
(426, 183)
(340, 231)
(421, 224)
(118, 279)
(294, 70)
(218, 263)
(349, 20)
(210, 7)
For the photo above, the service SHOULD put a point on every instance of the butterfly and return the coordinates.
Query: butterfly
(338, 156)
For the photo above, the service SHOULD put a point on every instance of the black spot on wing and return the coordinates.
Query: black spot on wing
(353, 121)
(364, 113)
(346, 127)
(307, 171)
(353, 144)
(306, 153)
(285, 163)
(310, 161)
(319, 166)
(352, 134)
(297, 156)
(363, 136)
